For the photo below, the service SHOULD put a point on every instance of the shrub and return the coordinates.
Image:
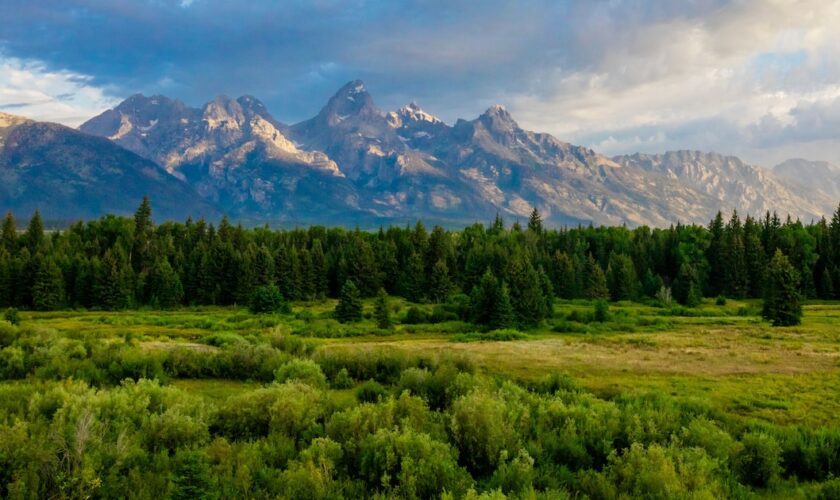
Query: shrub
(301, 370)
(757, 462)
(267, 299)
(342, 380)
(415, 316)
(601, 312)
(12, 316)
(371, 392)
(720, 300)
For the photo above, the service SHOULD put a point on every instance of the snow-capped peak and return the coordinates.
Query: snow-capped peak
(410, 113)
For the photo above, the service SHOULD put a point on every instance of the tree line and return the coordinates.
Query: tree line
(507, 275)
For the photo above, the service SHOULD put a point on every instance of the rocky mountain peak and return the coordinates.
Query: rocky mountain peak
(350, 101)
(411, 113)
(497, 119)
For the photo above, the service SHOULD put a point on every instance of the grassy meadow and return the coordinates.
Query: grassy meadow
(720, 361)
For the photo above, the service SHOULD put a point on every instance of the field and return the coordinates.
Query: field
(720, 360)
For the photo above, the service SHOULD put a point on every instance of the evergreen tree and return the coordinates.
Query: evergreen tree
(535, 222)
(34, 236)
(380, 310)
(141, 250)
(525, 292)
(490, 303)
(782, 301)
(349, 307)
(164, 287)
(503, 314)
(263, 263)
(413, 280)
(564, 276)
(191, 477)
(440, 285)
(596, 283)
(716, 257)
(547, 293)
(48, 286)
(651, 283)
(687, 286)
(8, 235)
(112, 285)
(621, 277)
(319, 269)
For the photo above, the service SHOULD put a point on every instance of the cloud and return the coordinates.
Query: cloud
(28, 88)
(612, 74)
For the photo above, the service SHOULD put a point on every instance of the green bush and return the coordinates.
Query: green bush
(757, 462)
(601, 311)
(371, 392)
(301, 370)
(12, 316)
(267, 299)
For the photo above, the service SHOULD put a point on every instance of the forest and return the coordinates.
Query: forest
(192, 360)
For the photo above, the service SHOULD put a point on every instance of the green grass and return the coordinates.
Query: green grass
(724, 356)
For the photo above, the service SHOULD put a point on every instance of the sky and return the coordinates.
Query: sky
(755, 78)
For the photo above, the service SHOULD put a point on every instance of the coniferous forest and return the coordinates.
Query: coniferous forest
(193, 360)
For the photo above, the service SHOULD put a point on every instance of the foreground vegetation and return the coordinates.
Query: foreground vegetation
(634, 400)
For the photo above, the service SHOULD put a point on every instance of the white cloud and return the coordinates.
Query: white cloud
(742, 68)
(28, 88)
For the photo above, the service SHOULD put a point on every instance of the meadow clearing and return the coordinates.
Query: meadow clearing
(721, 362)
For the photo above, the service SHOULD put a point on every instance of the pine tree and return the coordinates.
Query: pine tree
(535, 222)
(596, 283)
(112, 286)
(564, 276)
(651, 283)
(164, 287)
(503, 314)
(141, 248)
(48, 286)
(716, 256)
(8, 236)
(380, 310)
(547, 293)
(319, 269)
(440, 286)
(621, 277)
(191, 477)
(490, 303)
(782, 301)
(414, 279)
(263, 263)
(525, 292)
(349, 307)
(34, 236)
(687, 286)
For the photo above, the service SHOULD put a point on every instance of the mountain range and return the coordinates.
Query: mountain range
(354, 164)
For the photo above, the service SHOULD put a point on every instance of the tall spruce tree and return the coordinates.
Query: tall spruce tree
(687, 286)
(535, 222)
(440, 286)
(142, 253)
(164, 287)
(595, 286)
(782, 300)
(621, 277)
(8, 235)
(34, 236)
(380, 310)
(349, 307)
(48, 286)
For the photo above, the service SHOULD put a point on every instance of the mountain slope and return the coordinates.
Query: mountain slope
(70, 175)
(235, 154)
(731, 183)
(815, 176)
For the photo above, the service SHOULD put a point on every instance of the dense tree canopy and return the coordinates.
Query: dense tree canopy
(115, 262)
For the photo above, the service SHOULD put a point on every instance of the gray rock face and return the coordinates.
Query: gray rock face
(354, 162)
(69, 175)
(814, 176)
(731, 183)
